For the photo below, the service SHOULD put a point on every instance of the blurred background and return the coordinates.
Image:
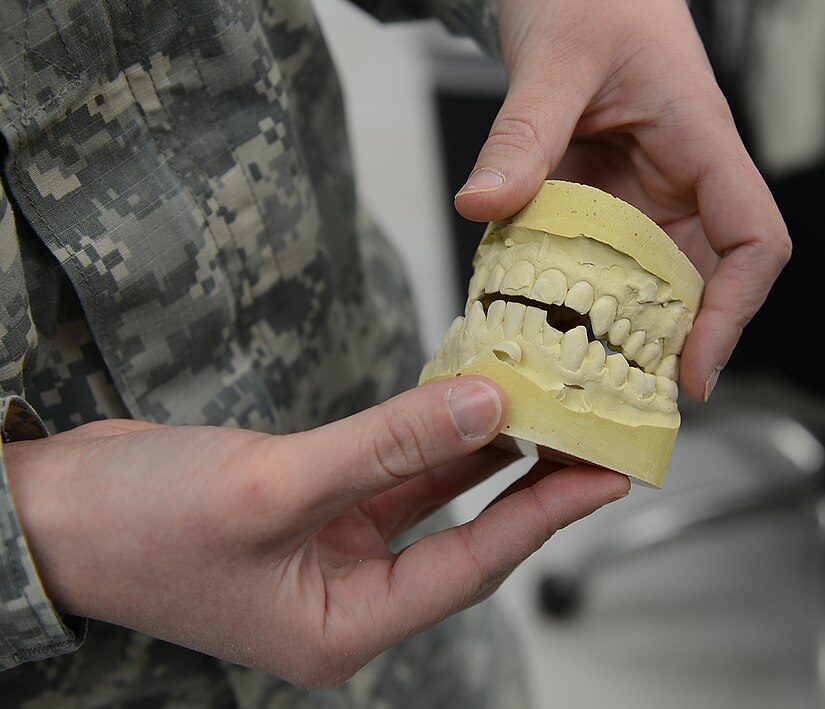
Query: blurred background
(710, 593)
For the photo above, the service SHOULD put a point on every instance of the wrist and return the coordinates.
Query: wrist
(43, 508)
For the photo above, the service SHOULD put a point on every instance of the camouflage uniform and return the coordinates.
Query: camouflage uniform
(180, 243)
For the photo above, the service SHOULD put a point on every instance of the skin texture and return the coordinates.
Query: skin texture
(628, 87)
(272, 552)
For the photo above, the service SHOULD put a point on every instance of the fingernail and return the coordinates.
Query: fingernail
(711, 382)
(475, 408)
(483, 180)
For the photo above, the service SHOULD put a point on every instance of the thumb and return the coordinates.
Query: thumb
(370, 452)
(527, 140)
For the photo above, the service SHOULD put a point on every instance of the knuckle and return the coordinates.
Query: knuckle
(516, 133)
(401, 446)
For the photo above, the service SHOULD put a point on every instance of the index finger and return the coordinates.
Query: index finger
(745, 227)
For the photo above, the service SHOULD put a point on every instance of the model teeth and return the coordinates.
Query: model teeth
(519, 279)
(595, 357)
(495, 314)
(668, 367)
(516, 333)
(580, 297)
(649, 356)
(617, 368)
(634, 343)
(550, 287)
(573, 348)
(513, 319)
(476, 317)
(596, 321)
(618, 332)
(667, 388)
(642, 383)
(602, 314)
(550, 290)
(494, 279)
(534, 321)
(550, 336)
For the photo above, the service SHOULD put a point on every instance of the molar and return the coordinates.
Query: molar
(580, 297)
(573, 348)
(667, 388)
(643, 384)
(550, 288)
(668, 367)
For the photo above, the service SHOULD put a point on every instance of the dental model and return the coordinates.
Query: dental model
(578, 308)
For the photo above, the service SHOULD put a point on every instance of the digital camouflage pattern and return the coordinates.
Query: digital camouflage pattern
(180, 242)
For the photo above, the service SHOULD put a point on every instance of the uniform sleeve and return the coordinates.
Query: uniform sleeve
(30, 628)
(477, 19)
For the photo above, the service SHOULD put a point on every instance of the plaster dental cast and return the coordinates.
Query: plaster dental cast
(579, 307)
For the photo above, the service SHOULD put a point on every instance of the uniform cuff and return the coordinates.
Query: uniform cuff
(30, 627)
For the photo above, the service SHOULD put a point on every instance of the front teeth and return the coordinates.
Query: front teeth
(513, 319)
(580, 297)
(550, 287)
(495, 314)
(519, 279)
(507, 328)
(655, 359)
(494, 279)
(534, 321)
(476, 316)
(573, 348)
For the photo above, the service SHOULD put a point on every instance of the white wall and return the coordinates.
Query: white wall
(387, 84)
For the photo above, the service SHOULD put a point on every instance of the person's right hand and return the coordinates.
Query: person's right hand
(272, 552)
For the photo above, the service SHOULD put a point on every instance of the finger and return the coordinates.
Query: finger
(361, 456)
(744, 226)
(540, 470)
(528, 137)
(399, 509)
(449, 571)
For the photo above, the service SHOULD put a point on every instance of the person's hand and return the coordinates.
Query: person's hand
(272, 552)
(631, 81)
